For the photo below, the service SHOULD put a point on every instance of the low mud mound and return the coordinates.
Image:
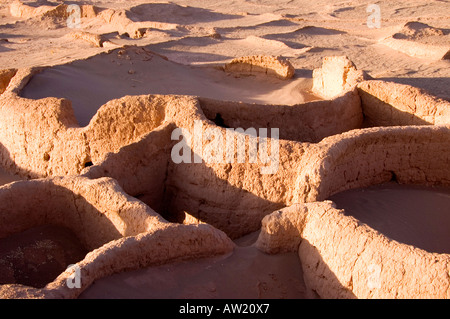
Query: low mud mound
(417, 31)
(420, 40)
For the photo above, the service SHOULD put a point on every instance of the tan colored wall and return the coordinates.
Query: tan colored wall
(223, 195)
(306, 122)
(270, 65)
(77, 203)
(121, 232)
(140, 168)
(129, 139)
(338, 254)
(41, 138)
(410, 154)
(342, 258)
(388, 104)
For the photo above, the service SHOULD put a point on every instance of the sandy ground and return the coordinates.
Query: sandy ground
(38, 255)
(6, 177)
(303, 31)
(414, 215)
(197, 37)
(247, 273)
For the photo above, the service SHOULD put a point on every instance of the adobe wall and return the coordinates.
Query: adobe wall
(130, 141)
(388, 104)
(343, 258)
(339, 255)
(359, 158)
(120, 232)
(305, 122)
(78, 203)
(122, 141)
(42, 138)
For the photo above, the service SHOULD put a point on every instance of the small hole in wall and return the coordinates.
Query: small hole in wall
(218, 120)
(87, 164)
(46, 157)
(394, 177)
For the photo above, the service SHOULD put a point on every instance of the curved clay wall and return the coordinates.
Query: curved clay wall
(41, 137)
(127, 129)
(359, 158)
(389, 104)
(306, 122)
(130, 140)
(121, 232)
(343, 258)
(223, 195)
(77, 203)
(45, 139)
(340, 255)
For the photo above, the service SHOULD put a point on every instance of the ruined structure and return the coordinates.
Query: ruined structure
(276, 66)
(114, 182)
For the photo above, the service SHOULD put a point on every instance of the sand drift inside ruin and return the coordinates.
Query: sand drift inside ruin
(38, 255)
(414, 215)
(90, 83)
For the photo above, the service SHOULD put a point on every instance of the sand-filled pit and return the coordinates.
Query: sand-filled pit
(414, 215)
(35, 257)
(245, 273)
(93, 222)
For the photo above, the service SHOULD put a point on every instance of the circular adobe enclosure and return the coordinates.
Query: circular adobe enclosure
(342, 257)
(323, 150)
(119, 232)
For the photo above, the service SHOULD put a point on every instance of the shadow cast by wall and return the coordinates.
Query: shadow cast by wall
(437, 86)
(376, 113)
(45, 227)
(7, 167)
(318, 277)
(146, 171)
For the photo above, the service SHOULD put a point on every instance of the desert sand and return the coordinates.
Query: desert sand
(410, 214)
(87, 108)
(247, 273)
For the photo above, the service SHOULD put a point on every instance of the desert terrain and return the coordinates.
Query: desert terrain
(91, 91)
